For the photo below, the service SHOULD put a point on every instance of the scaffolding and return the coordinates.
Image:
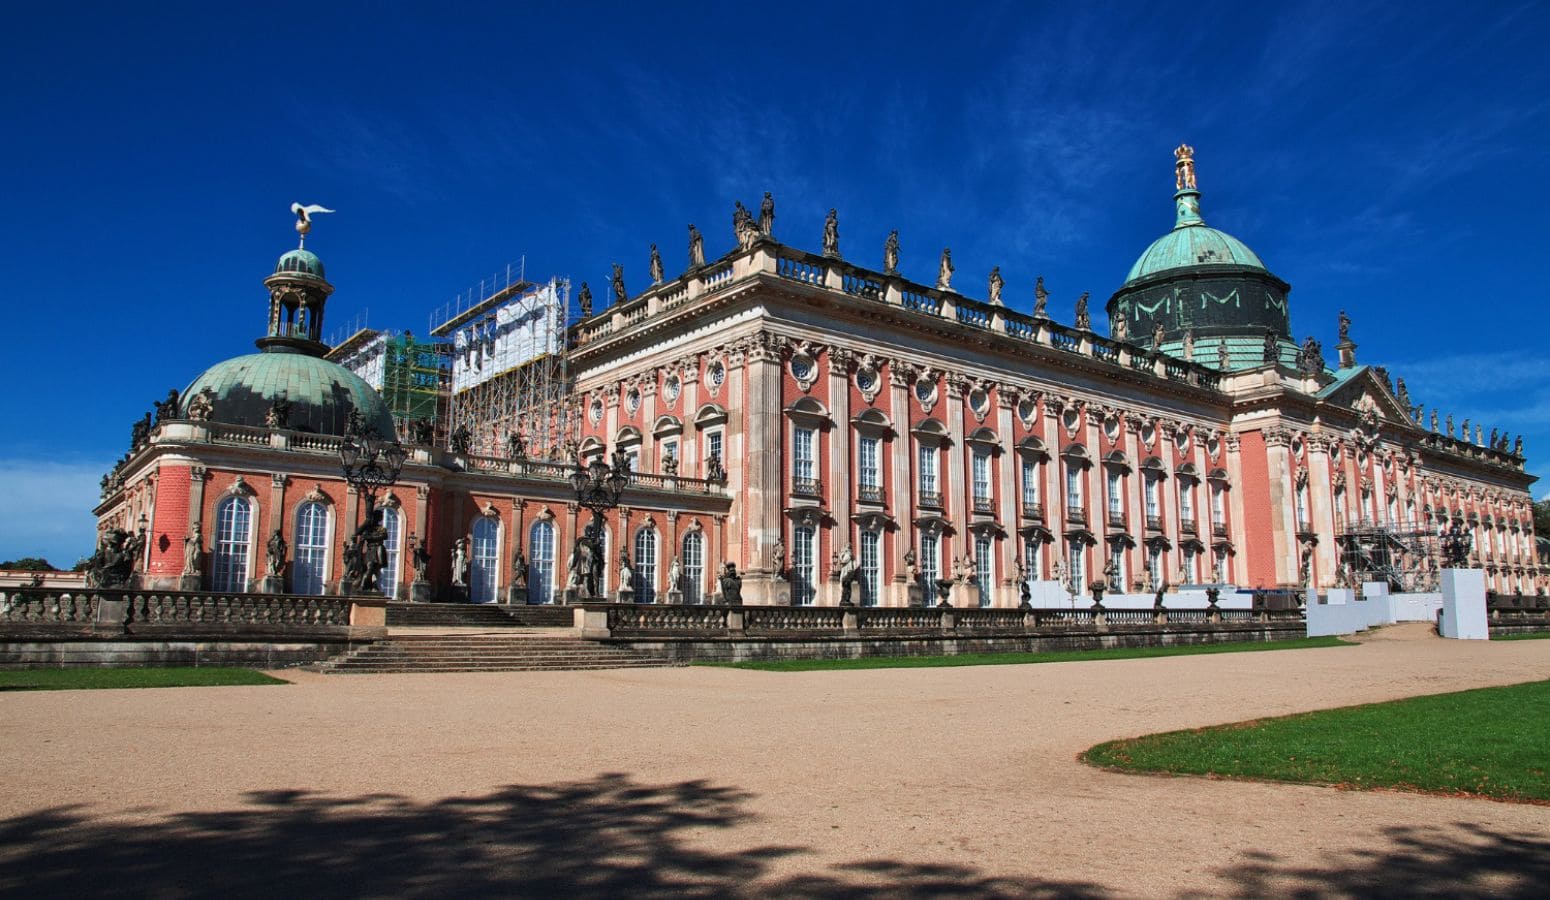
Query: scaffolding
(1405, 555)
(413, 375)
(510, 373)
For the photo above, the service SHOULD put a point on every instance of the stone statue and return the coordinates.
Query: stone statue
(731, 585)
(1189, 345)
(1312, 357)
(845, 564)
(424, 431)
(420, 558)
(1157, 337)
(1464, 432)
(744, 227)
(516, 447)
(1493, 441)
(670, 464)
(1517, 446)
(996, 284)
(354, 565)
(371, 541)
(1223, 360)
(1456, 545)
(278, 414)
(114, 560)
(778, 558)
(960, 569)
(1345, 328)
(1111, 575)
(1084, 321)
(912, 566)
(201, 406)
(1450, 424)
(1305, 571)
(168, 408)
(519, 568)
(1040, 299)
(277, 548)
(891, 253)
(1404, 397)
(134, 550)
(831, 235)
(461, 440)
(657, 272)
(713, 468)
(767, 214)
(460, 562)
(1058, 571)
(193, 550)
(1185, 167)
(1434, 420)
(626, 573)
(1119, 328)
(696, 249)
(581, 575)
(1479, 437)
(675, 569)
(620, 296)
(1272, 352)
(944, 270)
(584, 298)
(140, 433)
(620, 459)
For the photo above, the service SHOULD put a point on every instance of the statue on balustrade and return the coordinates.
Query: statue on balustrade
(675, 571)
(460, 562)
(1157, 337)
(1040, 299)
(277, 549)
(1493, 441)
(1111, 573)
(912, 568)
(1450, 424)
(670, 464)
(461, 440)
(279, 413)
(731, 585)
(1272, 351)
(140, 433)
(778, 559)
(960, 569)
(620, 295)
(891, 253)
(201, 406)
(584, 298)
(519, 569)
(944, 270)
(696, 249)
(1464, 432)
(657, 272)
(744, 228)
(1119, 328)
(767, 214)
(1434, 420)
(1189, 345)
(1517, 446)
(419, 557)
(1404, 398)
(831, 235)
(1084, 320)
(1223, 360)
(193, 550)
(626, 572)
(714, 471)
(168, 408)
(424, 431)
(847, 570)
(996, 284)
(516, 447)
(114, 560)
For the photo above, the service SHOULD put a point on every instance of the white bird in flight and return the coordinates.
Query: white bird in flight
(304, 214)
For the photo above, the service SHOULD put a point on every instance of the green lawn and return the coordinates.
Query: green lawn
(1010, 659)
(1490, 742)
(98, 679)
(1522, 636)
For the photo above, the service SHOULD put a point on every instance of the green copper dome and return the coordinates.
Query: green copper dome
(1192, 244)
(300, 262)
(321, 393)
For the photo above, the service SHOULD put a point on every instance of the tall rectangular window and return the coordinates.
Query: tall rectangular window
(646, 565)
(1186, 499)
(930, 564)
(1077, 551)
(1154, 564)
(1073, 486)
(804, 454)
(1191, 565)
(387, 579)
(713, 451)
(984, 567)
(1117, 559)
(1218, 505)
(980, 464)
(1030, 485)
(869, 453)
(1153, 503)
(1033, 561)
(804, 557)
(871, 567)
(929, 492)
(1301, 505)
(1116, 494)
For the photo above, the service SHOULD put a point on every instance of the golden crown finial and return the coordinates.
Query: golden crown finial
(1184, 169)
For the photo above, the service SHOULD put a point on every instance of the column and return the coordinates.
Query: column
(900, 497)
(763, 450)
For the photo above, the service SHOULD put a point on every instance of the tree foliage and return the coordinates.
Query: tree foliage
(28, 564)
(1542, 518)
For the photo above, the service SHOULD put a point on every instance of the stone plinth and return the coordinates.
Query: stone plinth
(269, 584)
(421, 592)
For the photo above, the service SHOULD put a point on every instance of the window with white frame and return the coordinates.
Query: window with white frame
(484, 565)
(693, 586)
(1073, 486)
(669, 451)
(980, 466)
(1191, 564)
(1116, 494)
(869, 454)
(1030, 484)
(1076, 549)
(1218, 504)
(1154, 564)
(1033, 561)
(233, 536)
(387, 579)
(540, 562)
(929, 492)
(646, 565)
(930, 562)
(1152, 495)
(804, 459)
(309, 567)
(1187, 499)
(1221, 567)
(713, 450)
(871, 566)
(984, 567)
(804, 565)
(1117, 557)
(1302, 505)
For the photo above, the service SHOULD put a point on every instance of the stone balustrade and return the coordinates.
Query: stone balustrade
(115, 611)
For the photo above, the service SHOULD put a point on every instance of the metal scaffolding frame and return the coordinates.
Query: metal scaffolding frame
(1406, 555)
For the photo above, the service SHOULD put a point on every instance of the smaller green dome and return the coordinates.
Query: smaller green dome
(1193, 245)
(300, 262)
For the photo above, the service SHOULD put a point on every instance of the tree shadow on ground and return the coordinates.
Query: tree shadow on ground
(606, 837)
(1462, 861)
(612, 836)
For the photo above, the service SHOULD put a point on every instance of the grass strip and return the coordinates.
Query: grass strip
(1015, 659)
(92, 679)
(1522, 636)
(1486, 743)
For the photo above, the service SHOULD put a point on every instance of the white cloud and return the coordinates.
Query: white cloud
(45, 508)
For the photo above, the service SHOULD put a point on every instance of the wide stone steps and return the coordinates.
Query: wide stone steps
(476, 615)
(486, 653)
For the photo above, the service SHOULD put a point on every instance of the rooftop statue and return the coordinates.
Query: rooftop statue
(1189, 345)
(944, 270)
(584, 297)
(168, 408)
(1312, 357)
(657, 272)
(744, 228)
(1434, 420)
(620, 296)
(1040, 299)
(1119, 328)
(1517, 446)
(831, 234)
(304, 216)
(1272, 351)
(1223, 359)
(891, 253)
(996, 284)
(1450, 424)
(1345, 327)
(279, 413)
(1157, 337)
(201, 406)
(1185, 167)
(1084, 320)
(1403, 395)
(696, 248)
(767, 214)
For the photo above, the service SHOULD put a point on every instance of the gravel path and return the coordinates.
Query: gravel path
(708, 782)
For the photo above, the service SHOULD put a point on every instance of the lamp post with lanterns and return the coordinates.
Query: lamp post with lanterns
(598, 487)
(370, 463)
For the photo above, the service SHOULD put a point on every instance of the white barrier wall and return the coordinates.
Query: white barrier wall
(1054, 595)
(1463, 605)
(1340, 611)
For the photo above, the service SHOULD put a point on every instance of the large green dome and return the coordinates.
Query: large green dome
(321, 393)
(1190, 245)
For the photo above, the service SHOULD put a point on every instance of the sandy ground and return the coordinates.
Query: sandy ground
(709, 782)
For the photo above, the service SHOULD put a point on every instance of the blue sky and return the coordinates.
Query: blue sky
(1387, 159)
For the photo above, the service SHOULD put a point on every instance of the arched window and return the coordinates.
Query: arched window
(540, 562)
(646, 565)
(486, 560)
(984, 567)
(693, 585)
(387, 581)
(310, 570)
(233, 530)
(871, 566)
(930, 564)
(804, 561)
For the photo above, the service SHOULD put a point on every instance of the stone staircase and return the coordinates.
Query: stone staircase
(486, 652)
(477, 615)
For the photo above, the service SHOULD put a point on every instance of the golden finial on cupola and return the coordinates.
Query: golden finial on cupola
(1185, 167)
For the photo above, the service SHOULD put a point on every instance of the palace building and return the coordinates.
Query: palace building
(795, 413)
